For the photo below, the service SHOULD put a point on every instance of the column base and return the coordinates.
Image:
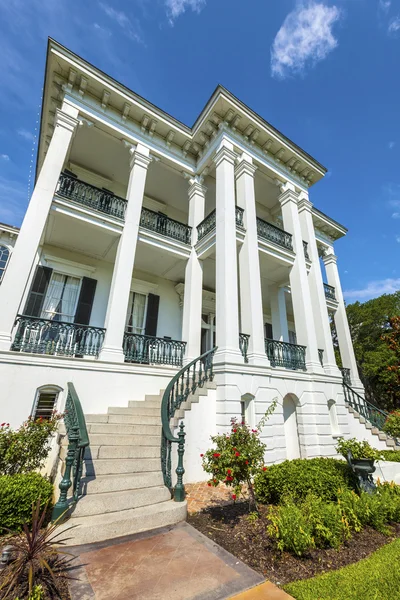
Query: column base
(112, 354)
(331, 369)
(258, 359)
(5, 341)
(315, 368)
(228, 355)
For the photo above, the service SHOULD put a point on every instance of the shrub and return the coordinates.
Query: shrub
(322, 477)
(328, 527)
(17, 493)
(237, 457)
(25, 449)
(358, 449)
(290, 528)
(392, 455)
(376, 510)
(392, 424)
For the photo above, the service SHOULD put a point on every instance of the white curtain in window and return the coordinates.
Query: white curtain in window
(136, 311)
(61, 298)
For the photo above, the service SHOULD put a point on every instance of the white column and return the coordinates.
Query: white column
(318, 300)
(341, 323)
(301, 297)
(227, 310)
(21, 261)
(125, 260)
(279, 314)
(192, 302)
(251, 308)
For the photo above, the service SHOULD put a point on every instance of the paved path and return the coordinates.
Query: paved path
(175, 563)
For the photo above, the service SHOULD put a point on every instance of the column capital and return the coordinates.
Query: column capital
(288, 195)
(196, 188)
(329, 258)
(304, 203)
(62, 119)
(245, 166)
(140, 156)
(224, 153)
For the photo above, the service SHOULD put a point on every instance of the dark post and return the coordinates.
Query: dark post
(61, 506)
(179, 493)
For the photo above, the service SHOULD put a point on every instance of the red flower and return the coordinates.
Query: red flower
(2, 425)
(229, 471)
(254, 430)
(209, 484)
(233, 449)
(201, 455)
(233, 496)
(216, 455)
(247, 462)
(237, 453)
(234, 430)
(214, 480)
(264, 468)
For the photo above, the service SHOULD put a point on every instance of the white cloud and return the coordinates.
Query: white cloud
(396, 215)
(27, 135)
(131, 29)
(398, 239)
(178, 7)
(304, 39)
(374, 289)
(391, 145)
(394, 25)
(4, 157)
(384, 5)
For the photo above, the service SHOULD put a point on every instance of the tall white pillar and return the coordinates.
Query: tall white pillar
(301, 297)
(23, 255)
(279, 314)
(192, 301)
(251, 308)
(227, 309)
(341, 323)
(318, 300)
(122, 275)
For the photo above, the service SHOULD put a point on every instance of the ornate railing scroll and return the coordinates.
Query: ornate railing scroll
(371, 413)
(283, 354)
(244, 345)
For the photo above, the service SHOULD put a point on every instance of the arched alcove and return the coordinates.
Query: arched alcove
(289, 404)
(333, 418)
(247, 409)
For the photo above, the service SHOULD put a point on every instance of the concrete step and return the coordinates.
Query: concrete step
(121, 428)
(145, 404)
(390, 443)
(113, 502)
(145, 411)
(111, 525)
(109, 466)
(382, 436)
(125, 419)
(153, 398)
(116, 483)
(120, 452)
(104, 439)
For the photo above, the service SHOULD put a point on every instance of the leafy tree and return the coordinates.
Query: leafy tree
(392, 339)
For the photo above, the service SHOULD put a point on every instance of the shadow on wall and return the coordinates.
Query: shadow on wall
(290, 404)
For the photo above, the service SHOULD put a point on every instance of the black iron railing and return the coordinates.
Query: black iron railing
(329, 292)
(283, 354)
(346, 375)
(146, 349)
(305, 246)
(244, 345)
(192, 376)
(78, 441)
(321, 356)
(89, 195)
(239, 217)
(371, 413)
(269, 232)
(209, 222)
(153, 221)
(46, 336)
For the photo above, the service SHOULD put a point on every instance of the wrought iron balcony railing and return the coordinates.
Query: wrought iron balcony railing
(244, 345)
(283, 354)
(346, 375)
(271, 233)
(329, 292)
(321, 356)
(45, 336)
(305, 246)
(209, 223)
(146, 349)
(89, 195)
(162, 224)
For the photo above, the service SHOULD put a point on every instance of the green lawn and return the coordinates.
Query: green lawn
(374, 578)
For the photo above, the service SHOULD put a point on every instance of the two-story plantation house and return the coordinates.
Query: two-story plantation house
(145, 244)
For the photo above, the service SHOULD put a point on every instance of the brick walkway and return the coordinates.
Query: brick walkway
(200, 496)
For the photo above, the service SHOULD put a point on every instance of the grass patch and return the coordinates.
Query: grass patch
(374, 578)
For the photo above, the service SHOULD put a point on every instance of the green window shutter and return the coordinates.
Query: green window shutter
(268, 331)
(37, 293)
(85, 301)
(153, 303)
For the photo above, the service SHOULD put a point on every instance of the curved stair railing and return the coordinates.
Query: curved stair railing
(78, 441)
(192, 376)
(371, 413)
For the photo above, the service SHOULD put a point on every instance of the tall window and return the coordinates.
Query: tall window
(61, 298)
(4, 256)
(135, 319)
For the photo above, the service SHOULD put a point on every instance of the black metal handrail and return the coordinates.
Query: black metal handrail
(371, 413)
(267, 231)
(244, 345)
(330, 292)
(283, 354)
(209, 223)
(78, 441)
(150, 350)
(160, 223)
(346, 375)
(89, 195)
(305, 246)
(239, 217)
(321, 356)
(60, 338)
(192, 376)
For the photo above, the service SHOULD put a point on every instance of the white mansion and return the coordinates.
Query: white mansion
(145, 244)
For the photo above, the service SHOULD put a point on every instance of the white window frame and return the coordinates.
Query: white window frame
(47, 389)
(10, 249)
(56, 272)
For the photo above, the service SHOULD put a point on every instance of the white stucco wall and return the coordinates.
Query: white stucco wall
(387, 471)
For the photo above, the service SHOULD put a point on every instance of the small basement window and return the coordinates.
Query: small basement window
(45, 404)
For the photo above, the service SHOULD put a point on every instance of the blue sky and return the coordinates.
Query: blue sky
(324, 72)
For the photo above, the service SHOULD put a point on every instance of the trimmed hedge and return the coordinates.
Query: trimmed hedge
(17, 493)
(391, 455)
(295, 479)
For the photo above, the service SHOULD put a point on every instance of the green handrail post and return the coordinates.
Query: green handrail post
(179, 493)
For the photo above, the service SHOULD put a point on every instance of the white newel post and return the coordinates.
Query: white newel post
(227, 309)
(341, 323)
(122, 275)
(251, 308)
(301, 297)
(192, 300)
(318, 300)
(279, 314)
(23, 255)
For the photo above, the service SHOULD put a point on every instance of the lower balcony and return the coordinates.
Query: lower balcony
(56, 338)
(149, 350)
(288, 356)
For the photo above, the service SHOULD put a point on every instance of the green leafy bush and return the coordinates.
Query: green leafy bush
(392, 424)
(17, 493)
(26, 449)
(290, 528)
(391, 455)
(37, 593)
(295, 479)
(358, 449)
(329, 529)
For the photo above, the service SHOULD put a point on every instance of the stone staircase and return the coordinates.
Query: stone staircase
(374, 431)
(122, 484)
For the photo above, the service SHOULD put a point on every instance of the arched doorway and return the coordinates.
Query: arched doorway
(290, 426)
